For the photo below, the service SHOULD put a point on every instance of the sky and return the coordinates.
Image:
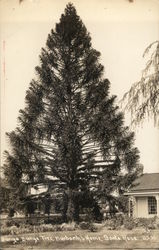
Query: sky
(120, 29)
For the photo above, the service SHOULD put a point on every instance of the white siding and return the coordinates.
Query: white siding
(141, 207)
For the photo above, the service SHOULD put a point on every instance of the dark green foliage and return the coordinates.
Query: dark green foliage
(4, 196)
(123, 202)
(11, 212)
(71, 128)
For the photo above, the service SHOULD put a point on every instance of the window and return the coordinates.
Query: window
(131, 208)
(152, 205)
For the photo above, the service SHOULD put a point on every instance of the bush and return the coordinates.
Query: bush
(55, 219)
(13, 230)
(156, 222)
(84, 225)
(46, 228)
(69, 226)
(129, 223)
(88, 226)
(11, 227)
(110, 224)
(26, 228)
(150, 223)
(9, 223)
(115, 223)
(92, 228)
(5, 230)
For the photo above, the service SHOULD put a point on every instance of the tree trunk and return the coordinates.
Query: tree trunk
(70, 208)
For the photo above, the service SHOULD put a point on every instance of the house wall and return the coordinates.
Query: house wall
(141, 207)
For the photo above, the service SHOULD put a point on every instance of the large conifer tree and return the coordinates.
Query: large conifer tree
(71, 129)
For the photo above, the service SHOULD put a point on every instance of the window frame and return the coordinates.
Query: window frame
(152, 205)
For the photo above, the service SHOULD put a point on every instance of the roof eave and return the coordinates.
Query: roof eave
(142, 192)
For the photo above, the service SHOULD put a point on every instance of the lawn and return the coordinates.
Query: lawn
(83, 239)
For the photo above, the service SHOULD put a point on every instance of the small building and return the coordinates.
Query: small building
(144, 196)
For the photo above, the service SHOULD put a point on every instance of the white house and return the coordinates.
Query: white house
(144, 196)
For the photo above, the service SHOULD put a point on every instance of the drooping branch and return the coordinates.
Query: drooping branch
(142, 100)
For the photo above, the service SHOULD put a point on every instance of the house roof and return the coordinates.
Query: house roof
(146, 182)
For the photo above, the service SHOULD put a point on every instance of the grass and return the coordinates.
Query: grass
(104, 239)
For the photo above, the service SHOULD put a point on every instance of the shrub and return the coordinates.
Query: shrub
(150, 223)
(14, 230)
(46, 228)
(9, 223)
(68, 226)
(114, 223)
(5, 230)
(88, 226)
(128, 223)
(110, 224)
(92, 228)
(120, 222)
(26, 228)
(55, 219)
(84, 225)
(89, 215)
(156, 222)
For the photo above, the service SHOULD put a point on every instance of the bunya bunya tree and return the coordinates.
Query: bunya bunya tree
(71, 134)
